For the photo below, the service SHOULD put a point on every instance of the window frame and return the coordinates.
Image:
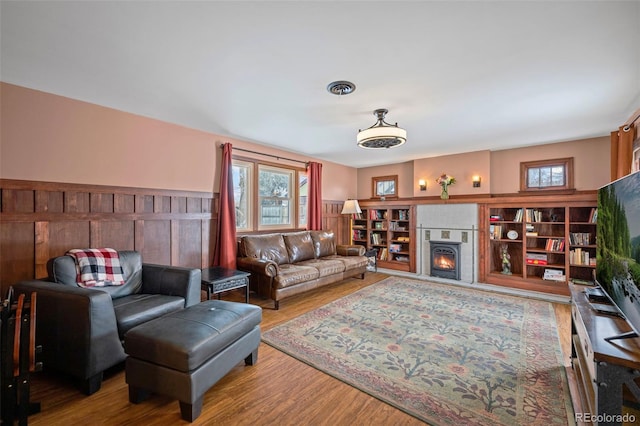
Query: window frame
(253, 191)
(565, 163)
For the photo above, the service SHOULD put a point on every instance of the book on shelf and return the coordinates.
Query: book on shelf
(582, 282)
(579, 238)
(495, 218)
(578, 256)
(403, 214)
(495, 232)
(593, 217)
(536, 258)
(554, 244)
(528, 215)
(384, 254)
(531, 234)
(554, 275)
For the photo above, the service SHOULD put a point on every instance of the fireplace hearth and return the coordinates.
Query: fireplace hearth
(445, 259)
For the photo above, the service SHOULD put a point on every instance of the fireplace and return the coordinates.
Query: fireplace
(445, 259)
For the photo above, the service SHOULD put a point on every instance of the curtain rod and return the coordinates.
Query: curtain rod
(635, 117)
(277, 157)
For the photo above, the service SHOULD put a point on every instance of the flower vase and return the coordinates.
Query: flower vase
(445, 192)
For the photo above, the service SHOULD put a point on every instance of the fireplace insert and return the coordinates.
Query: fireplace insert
(445, 259)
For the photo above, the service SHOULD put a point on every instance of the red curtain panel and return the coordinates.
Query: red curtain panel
(225, 249)
(314, 218)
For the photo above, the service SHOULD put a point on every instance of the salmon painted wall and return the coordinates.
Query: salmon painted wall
(499, 170)
(47, 137)
(591, 163)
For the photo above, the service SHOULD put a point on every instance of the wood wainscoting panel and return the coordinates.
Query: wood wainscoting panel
(101, 203)
(186, 242)
(17, 201)
(144, 203)
(66, 235)
(76, 202)
(124, 203)
(17, 252)
(118, 235)
(156, 247)
(50, 201)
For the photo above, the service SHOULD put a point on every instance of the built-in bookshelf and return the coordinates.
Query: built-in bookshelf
(545, 246)
(389, 230)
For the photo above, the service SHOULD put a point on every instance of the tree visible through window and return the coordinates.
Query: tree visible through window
(546, 175)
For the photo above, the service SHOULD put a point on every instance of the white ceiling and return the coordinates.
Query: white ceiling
(458, 76)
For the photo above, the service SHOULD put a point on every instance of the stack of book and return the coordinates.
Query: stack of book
(536, 258)
(553, 275)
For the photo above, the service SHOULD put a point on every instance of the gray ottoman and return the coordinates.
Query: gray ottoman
(183, 354)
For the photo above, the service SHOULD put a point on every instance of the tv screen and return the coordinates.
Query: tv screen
(618, 247)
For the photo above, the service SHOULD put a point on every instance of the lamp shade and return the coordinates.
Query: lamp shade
(381, 134)
(351, 207)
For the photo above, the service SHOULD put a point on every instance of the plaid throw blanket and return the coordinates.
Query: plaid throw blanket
(97, 267)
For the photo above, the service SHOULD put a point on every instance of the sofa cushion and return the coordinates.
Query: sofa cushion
(137, 309)
(325, 266)
(267, 246)
(324, 243)
(299, 246)
(292, 274)
(350, 262)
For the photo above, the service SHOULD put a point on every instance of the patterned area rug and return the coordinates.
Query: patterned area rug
(444, 354)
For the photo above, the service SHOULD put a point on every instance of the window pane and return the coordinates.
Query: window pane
(275, 190)
(303, 192)
(241, 174)
(534, 178)
(545, 176)
(557, 176)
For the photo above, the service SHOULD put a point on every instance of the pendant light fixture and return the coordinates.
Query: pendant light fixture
(381, 134)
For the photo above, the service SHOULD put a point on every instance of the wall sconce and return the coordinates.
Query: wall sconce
(423, 184)
(476, 181)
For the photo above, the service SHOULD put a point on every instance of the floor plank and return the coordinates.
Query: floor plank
(277, 390)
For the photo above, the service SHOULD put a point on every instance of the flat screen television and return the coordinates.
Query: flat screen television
(618, 248)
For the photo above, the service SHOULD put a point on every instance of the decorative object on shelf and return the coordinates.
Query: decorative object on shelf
(381, 134)
(423, 184)
(512, 235)
(476, 181)
(506, 262)
(444, 181)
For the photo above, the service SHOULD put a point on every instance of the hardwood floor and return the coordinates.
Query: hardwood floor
(277, 390)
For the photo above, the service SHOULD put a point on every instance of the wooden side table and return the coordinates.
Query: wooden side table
(216, 280)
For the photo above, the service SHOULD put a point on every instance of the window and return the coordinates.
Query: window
(242, 178)
(275, 197)
(268, 197)
(546, 175)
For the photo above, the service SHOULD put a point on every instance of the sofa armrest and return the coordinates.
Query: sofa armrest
(264, 267)
(172, 281)
(350, 250)
(76, 327)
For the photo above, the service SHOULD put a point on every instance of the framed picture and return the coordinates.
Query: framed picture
(385, 187)
(635, 160)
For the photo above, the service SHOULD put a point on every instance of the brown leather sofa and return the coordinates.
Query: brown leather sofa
(282, 265)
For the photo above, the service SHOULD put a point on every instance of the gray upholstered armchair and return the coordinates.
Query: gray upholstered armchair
(81, 330)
